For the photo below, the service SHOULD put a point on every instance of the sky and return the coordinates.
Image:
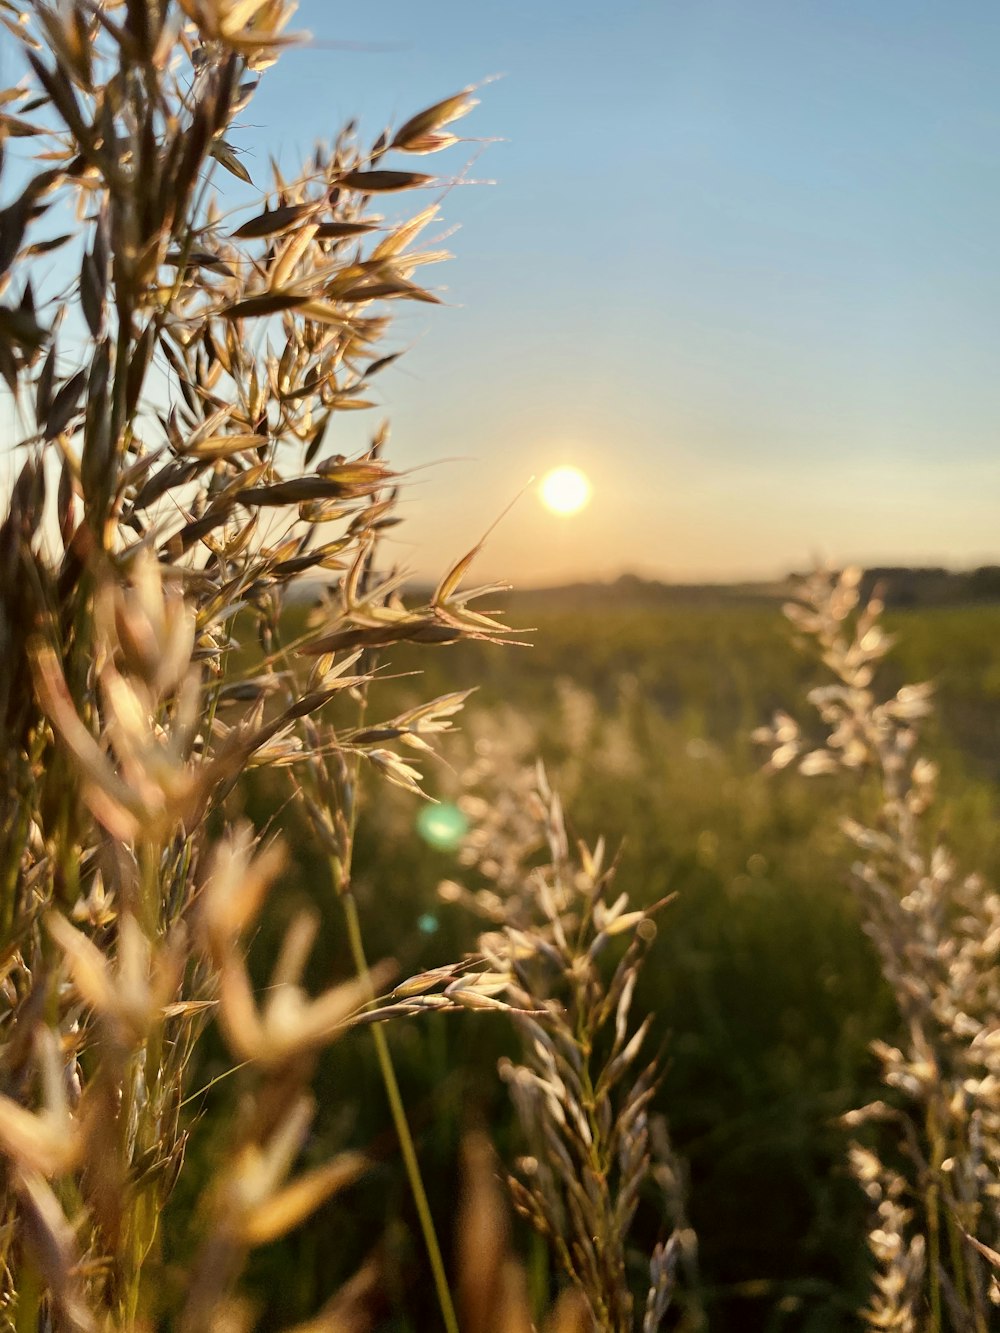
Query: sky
(737, 261)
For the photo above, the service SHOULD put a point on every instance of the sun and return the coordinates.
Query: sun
(564, 490)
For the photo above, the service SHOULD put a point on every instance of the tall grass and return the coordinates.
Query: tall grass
(173, 378)
(581, 1094)
(935, 929)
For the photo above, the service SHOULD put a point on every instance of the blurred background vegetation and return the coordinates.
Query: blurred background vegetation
(641, 700)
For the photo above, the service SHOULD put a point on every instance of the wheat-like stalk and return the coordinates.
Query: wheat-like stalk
(582, 1093)
(936, 932)
(173, 378)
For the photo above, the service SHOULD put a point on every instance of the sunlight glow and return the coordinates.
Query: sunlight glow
(564, 490)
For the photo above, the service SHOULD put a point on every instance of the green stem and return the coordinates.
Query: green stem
(400, 1121)
(955, 1249)
(27, 1317)
(340, 870)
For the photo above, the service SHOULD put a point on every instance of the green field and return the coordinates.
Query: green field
(764, 987)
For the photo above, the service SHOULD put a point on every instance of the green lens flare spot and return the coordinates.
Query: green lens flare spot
(427, 924)
(442, 826)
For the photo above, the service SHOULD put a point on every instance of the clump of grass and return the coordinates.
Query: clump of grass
(174, 371)
(935, 929)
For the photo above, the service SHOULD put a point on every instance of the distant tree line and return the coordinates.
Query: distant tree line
(901, 586)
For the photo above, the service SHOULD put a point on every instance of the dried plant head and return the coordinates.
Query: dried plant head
(935, 932)
(175, 368)
(582, 1094)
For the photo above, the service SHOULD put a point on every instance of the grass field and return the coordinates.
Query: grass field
(244, 985)
(765, 990)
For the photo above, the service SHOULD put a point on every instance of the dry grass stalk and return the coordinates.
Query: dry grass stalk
(175, 479)
(492, 1283)
(936, 933)
(582, 1095)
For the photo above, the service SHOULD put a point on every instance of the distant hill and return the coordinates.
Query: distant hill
(901, 586)
(632, 590)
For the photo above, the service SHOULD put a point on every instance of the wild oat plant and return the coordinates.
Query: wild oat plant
(582, 1094)
(173, 371)
(936, 1229)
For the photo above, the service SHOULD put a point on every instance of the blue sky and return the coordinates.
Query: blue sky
(740, 262)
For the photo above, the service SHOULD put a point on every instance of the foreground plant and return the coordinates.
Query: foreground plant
(174, 373)
(936, 930)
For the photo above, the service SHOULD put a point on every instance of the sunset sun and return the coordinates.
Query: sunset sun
(564, 490)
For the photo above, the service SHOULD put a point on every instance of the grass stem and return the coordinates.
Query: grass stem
(402, 1125)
